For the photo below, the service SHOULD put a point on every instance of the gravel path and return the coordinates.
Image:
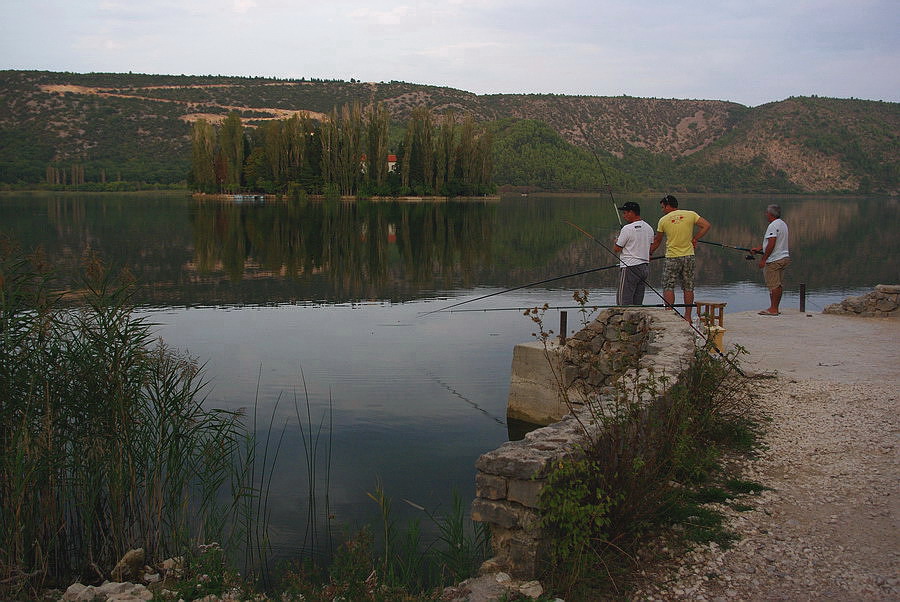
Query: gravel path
(828, 529)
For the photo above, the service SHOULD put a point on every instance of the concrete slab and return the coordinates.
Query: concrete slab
(826, 347)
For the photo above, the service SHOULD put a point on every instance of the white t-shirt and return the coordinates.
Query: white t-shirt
(635, 239)
(779, 230)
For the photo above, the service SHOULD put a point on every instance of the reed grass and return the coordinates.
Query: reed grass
(104, 443)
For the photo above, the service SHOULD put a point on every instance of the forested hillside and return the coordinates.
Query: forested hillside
(95, 129)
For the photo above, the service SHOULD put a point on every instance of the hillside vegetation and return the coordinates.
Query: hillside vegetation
(65, 128)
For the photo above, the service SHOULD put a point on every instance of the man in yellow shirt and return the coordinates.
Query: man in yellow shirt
(682, 230)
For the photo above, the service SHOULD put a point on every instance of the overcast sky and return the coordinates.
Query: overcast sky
(748, 51)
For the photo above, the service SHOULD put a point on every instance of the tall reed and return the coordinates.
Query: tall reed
(104, 443)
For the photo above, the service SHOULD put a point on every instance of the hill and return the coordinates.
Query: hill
(106, 127)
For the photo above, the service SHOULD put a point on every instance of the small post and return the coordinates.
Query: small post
(563, 317)
(802, 297)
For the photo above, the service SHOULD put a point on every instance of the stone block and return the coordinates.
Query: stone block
(886, 305)
(491, 487)
(504, 514)
(494, 512)
(514, 460)
(526, 493)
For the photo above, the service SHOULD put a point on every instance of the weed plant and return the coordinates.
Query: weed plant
(401, 566)
(104, 444)
(653, 465)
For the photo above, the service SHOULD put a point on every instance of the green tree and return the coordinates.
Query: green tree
(231, 143)
(377, 122)
(203, 154)
(445, 153)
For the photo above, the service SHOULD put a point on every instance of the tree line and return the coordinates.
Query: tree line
(345, 154)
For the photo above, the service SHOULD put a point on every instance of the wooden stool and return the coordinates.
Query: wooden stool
(711, 313)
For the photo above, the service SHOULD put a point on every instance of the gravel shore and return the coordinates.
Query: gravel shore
(828, 528)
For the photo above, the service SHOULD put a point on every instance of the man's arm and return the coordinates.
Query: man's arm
(656, 241)
(703, 227)
(770, 246)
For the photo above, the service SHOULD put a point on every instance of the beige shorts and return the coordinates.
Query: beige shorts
(774, 271)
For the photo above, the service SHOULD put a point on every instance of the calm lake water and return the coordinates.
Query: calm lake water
(311, 314)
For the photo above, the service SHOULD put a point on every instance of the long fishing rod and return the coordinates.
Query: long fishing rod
(658, 294)
(521, 286)
(721, 244)
(590, 307)
(605, 178)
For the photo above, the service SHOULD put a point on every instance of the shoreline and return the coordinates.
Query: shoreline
(260, 198)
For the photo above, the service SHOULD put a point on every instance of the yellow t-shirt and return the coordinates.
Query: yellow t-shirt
(678, 226)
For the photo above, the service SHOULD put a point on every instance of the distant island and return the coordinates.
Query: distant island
(102, 131)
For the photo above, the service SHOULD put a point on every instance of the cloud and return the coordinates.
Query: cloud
(242, 6)
(370, 16)
(101, 43)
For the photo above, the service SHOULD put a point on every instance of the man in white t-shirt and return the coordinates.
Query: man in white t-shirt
(775, 258)
(634, 245)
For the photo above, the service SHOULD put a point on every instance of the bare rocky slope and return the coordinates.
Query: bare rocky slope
(116, 121)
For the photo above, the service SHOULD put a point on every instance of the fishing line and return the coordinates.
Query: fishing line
(515, 288)
(584, 307)
(648, 285)
(464, 398)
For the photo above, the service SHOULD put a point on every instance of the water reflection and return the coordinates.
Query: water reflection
(186, 252)
(344, 251)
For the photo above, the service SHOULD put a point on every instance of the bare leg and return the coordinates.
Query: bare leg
(775, 299)
(669, 296)
(689, 301)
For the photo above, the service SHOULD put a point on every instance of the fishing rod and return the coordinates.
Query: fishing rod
(745, 249)
(605, 178)
(521, 286)
(590, 307)
(658, 294)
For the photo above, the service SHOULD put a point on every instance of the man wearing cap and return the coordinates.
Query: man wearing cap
(682, 230)
(634, 245)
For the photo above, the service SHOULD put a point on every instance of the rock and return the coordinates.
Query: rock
(532, 589)
(130, 566)
(110, 591)
(173, 567)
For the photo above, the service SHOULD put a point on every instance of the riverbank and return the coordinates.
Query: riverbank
(827, 529)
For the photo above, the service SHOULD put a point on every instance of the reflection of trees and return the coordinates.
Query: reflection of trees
(360, 250)
(285, 252)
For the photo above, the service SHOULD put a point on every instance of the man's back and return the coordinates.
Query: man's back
(678, 226)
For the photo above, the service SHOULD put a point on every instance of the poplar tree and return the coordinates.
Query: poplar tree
(485, 164)
(445, 154)
(377, 122)
(231, 143)
(350, 145)
(466, 152)
(330, 144)
(418, 161)
(203, 149)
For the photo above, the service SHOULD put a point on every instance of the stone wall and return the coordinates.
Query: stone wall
(591, 359)
(509, 479)
(880, 303)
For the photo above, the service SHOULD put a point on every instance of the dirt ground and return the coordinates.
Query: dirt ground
(828, 528)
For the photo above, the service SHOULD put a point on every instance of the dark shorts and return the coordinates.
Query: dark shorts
(632, 281)
(679, 270)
